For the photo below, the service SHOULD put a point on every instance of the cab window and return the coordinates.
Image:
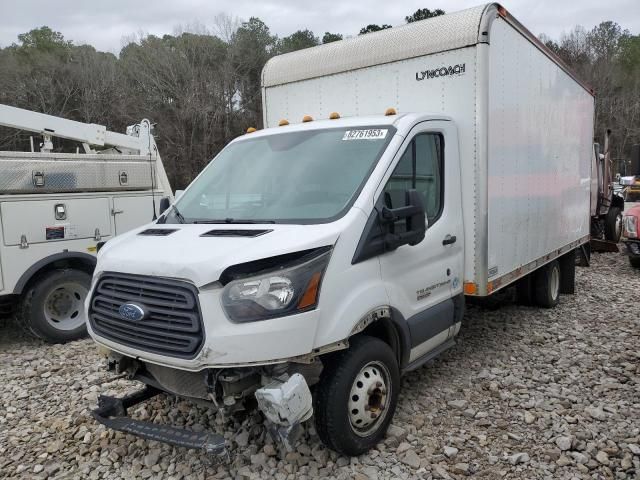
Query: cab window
(419, 168)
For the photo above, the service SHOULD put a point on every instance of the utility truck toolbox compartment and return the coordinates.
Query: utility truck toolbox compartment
(76, 218)
(23, 172)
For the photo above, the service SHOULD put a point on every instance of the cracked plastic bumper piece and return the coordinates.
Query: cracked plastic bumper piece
(112, 412)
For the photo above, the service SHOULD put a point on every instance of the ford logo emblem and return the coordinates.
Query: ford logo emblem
(132, 312)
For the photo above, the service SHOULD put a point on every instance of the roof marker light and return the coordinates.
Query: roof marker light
(390, 111)
(251, 130)
(307, 118)
(283, 123)
(334, 116)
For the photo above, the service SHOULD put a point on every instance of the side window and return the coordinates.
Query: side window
(421, 167)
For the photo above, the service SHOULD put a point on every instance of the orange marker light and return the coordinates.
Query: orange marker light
(311, 294)
(307, 118)
(470, 288)
(251, 130)
(502, 11)
(390, 111)
(334, 116)
(283, 123)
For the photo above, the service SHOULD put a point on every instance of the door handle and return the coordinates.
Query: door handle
(449, 239)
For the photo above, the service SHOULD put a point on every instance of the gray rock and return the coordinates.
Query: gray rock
(563, 443)
(450, 452)
(517, 458)
(460, 404)
(580, 458)
(396, 432)
(152, 458)
(461, 468)
(259, 458)
(242, 439)
(595, 412)
(602, 457)
(411, 458)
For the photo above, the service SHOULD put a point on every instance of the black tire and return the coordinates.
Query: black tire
(613, 225)
(31, 312)
(332, 397)
(635, 262)
(546, 285)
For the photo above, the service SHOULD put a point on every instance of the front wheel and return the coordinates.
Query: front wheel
(53, 308)
(357, 396)
(635, 262)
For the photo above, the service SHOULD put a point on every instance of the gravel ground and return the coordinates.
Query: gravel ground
(525, 393)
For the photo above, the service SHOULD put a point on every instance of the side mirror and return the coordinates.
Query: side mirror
(381, 234)
(164, 205)
(413, 215)
(179, 194)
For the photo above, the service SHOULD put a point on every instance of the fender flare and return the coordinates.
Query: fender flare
(396, 326)
(43, 262)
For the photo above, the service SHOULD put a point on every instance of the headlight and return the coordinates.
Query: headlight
(630, 226)
(276, 293)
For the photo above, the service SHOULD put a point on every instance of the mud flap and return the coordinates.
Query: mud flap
(112, 413)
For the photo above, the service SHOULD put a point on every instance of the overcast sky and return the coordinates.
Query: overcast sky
(107, 24)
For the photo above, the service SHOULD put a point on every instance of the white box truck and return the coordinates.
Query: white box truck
(56, 209)
(398, 172)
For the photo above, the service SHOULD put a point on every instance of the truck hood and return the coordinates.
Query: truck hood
(198, 252)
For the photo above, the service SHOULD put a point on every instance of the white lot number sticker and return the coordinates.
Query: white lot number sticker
(368, 134)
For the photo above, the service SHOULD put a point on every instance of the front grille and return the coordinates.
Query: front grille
(171, 326)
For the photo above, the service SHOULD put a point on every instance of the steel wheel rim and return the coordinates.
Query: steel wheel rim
(369, 398)
(64, 306)
(555, 282)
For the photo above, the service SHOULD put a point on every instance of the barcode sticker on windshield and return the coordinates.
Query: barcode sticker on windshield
(368, 134)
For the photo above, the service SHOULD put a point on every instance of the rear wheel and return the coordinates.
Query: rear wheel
(613, 224)
(357, 395)
(635, 262)
(547, 285)
(53, 308)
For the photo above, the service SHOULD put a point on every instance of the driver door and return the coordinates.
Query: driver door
(421, 280)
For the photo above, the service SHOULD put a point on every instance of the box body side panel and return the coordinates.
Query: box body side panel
(539, 154)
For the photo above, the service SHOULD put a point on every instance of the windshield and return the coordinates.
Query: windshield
(311, 176)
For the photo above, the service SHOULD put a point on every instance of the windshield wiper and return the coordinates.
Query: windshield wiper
(178, 215)
(234, 221)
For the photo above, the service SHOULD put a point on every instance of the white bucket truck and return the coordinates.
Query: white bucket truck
(332, 251)
(57, 208)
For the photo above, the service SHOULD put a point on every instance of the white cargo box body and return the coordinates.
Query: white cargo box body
(525, 125)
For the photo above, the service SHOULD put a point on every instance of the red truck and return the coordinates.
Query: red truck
(631, 234)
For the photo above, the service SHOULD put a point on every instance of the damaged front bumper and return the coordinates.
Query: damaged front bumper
(286, 403)
(112, 413)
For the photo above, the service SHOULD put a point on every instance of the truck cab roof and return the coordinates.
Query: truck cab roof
(400, 121)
